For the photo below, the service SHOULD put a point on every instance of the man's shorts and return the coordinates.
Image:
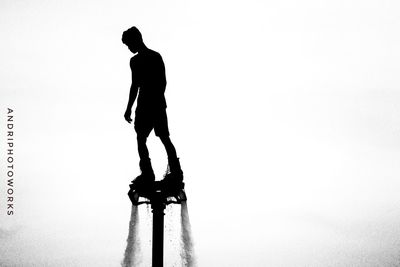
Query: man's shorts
(146, 121)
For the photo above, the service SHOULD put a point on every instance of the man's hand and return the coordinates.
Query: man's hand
(127, 115)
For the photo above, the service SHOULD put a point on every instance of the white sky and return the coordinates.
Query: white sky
(285, 116)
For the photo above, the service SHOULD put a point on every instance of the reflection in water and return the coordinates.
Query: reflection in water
(187, 248)
(132, 252)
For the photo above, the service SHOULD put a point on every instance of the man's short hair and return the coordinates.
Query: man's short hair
(131, 35)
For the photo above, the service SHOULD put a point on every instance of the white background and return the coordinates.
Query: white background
(285, 115)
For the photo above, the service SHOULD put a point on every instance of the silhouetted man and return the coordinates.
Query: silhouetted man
(148, 78)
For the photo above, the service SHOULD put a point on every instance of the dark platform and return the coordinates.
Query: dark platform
(169, 192)
(159, 194)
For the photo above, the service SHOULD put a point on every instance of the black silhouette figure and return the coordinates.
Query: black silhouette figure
(149, 82)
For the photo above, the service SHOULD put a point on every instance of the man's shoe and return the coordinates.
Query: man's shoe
(144, 180)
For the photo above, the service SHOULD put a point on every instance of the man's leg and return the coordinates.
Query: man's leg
(144, 164)
(142, 148)
(161, 130)
(169, 147)
(173, 161)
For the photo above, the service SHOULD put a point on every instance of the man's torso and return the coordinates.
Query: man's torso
(148, 72)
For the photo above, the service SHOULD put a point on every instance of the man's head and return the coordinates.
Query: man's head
(133, 39)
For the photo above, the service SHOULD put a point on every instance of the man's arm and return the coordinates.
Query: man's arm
(164, 79)
(132, 96)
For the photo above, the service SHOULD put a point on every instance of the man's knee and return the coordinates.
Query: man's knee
(165, 139)
(141, 139)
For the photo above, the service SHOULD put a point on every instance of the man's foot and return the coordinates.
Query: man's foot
(143, 181)
(173, 177)
(172, 182)
(147, 177)
(174, 171)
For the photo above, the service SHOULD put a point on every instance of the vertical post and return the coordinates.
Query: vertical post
(158, 207)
